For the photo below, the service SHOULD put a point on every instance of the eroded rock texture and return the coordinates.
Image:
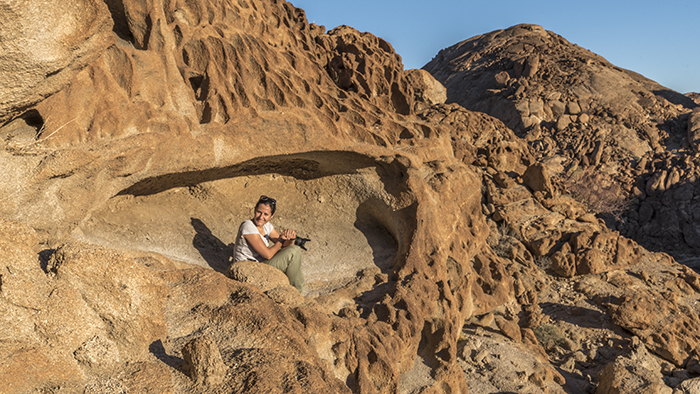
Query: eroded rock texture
(445, 256)
(603, 124)
(44, 45)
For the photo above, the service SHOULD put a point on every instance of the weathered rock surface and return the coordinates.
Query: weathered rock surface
(203, 362)
(634, 374)
(446, 255)
(45, 45)
(694, 129)
(609, 125)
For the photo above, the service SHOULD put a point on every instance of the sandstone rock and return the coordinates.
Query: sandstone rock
(286, 294)
(99, 354)
(564, 262)
(573, 108)
(590, 110)
(122, 292)
(558, 108)
(58, 51)
(509, 328)
(694, 129)
(624, 377)
(537, 178)
(144, 377)
(688, 387)
(24, 283)
(66, 309)
(261, 275)
(26, 366)
(667, 337)
(150, 157)
(380, 78)
(501, 79)
(563, 122)
(203, 362)
(426, 88)
(531, 66)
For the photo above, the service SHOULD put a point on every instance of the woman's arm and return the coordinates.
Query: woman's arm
(280, 241)
(287, 237)
(267, 252)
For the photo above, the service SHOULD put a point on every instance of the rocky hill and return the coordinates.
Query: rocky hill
(602, 124)
(448, 254)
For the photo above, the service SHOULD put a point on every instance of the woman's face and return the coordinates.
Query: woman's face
(262, 214)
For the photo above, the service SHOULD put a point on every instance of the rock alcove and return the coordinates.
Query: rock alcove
(356, 211)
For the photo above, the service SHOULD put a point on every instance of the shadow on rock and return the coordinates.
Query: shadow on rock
(157, 349)
(676, 98)
(373, 224)
(582, 317)
(216, 253)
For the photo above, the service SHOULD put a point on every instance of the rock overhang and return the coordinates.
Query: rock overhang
(358, 211)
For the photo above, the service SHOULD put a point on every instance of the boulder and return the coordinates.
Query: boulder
(537, 178)
(40, 56)
(633, 373)
(203, 362)
(689, 386)
(426, 88)
(264, 276)
(660, 323)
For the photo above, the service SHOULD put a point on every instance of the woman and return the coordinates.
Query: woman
(255, 236)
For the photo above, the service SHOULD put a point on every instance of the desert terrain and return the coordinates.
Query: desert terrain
(518, 216)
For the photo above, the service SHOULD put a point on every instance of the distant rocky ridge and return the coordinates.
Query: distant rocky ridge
(447, 255)
(570, 103)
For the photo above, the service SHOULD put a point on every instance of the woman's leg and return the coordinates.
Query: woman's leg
(288, 260)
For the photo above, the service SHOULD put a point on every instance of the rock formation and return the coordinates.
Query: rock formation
(445, 254)
(598, 118)
(45, 45)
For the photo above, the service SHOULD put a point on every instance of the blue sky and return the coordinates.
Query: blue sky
(659, 39)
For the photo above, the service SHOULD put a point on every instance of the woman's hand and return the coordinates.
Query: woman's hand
(288, 237)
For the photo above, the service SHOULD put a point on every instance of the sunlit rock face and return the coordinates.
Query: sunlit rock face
(44, 46)
(437, 238)
(147, 162)
(603, 124)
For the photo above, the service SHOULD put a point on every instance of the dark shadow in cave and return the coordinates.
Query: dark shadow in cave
(25, 128)
(216, 253)
(121, 23)
(305, 166)
(44, 257)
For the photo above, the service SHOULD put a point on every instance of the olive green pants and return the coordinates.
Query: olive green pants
(288, 260)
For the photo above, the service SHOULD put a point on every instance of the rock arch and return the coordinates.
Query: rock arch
(357, 210)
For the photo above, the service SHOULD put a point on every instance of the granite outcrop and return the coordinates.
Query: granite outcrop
(447, 254)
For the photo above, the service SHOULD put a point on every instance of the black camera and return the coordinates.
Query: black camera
(301, 242)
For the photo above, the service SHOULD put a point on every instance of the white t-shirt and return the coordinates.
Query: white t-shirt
(241, 250)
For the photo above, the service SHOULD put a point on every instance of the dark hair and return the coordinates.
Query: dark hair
(269, 201)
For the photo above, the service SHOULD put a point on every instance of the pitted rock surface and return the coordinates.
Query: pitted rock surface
(607, 123)
(446, 254)
(44, 46)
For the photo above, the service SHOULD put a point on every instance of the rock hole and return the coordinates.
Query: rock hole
(23, 129)
(121, 25)
(196, 83)
(405, 134)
